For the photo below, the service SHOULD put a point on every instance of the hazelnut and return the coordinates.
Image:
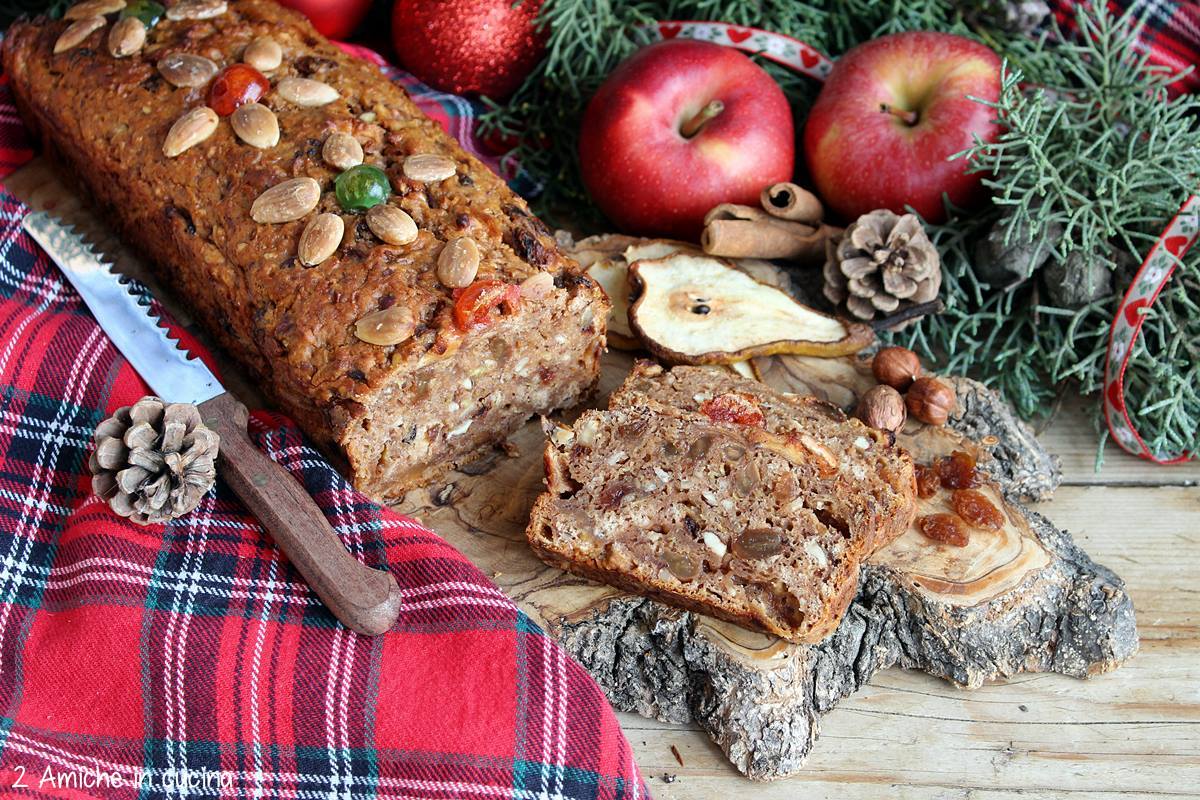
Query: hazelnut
(930, 401)
(882, 407)
(896, 367)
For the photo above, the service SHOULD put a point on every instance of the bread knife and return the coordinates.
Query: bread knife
(366, 600)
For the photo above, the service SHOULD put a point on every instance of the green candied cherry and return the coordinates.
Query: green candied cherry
(362, 187)
(148, 11)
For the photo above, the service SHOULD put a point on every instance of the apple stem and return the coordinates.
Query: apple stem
(692, 126)
(909, 117)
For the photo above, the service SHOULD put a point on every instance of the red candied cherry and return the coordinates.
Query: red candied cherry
(235, 86)
(473, 305)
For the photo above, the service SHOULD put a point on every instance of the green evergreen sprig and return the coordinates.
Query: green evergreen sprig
(1093, 144)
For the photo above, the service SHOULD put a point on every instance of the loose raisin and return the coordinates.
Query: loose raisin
(974, 507)
(957, 471)
(927, 480)
(945, 528)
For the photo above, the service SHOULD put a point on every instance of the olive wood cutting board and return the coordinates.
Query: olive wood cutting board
(1025, 599)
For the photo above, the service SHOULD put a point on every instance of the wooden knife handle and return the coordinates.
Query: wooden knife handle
(365, 600)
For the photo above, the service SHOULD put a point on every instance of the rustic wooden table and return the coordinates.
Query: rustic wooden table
(1131, 733)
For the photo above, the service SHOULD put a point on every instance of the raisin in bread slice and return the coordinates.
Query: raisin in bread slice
(867, 484)
(712, 511)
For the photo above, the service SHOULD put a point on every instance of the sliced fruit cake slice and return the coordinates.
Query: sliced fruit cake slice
(859, 457)
(708, 506)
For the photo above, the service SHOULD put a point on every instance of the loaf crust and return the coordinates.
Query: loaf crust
(396, 416)
(765, 525)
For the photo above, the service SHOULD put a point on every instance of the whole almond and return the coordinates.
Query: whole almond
(76, 32)
(458, 262)
(392, 225)
(320, 239)
(190, 130)
(256, 125)
(93, 8)
(428, 168)
(305, 91)
(388, 327)
(287, 201)
(342, 150)
(197, 9)
(186, 69)
(126, 37)
(264, 54)
(537, 286)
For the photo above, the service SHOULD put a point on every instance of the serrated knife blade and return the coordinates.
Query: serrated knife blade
(171, 371)
(366, 600)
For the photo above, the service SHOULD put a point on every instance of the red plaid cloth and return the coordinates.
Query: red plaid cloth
(190, 660)
(1171, 32)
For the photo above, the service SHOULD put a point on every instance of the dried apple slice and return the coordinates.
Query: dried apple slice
(701, 310)
(602, 245)
(647, 249)
(742, 368)
(613, 276)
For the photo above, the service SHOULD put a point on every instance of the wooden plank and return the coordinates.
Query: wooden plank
(1134, 732)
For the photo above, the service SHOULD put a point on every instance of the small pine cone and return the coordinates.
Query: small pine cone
(153, 461)
(882, 264)
(1013, 16)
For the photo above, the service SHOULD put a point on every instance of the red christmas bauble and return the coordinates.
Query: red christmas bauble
(336, 19)
(468, 46)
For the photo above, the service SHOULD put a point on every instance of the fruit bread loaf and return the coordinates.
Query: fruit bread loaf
(383, 286)
(733, 500)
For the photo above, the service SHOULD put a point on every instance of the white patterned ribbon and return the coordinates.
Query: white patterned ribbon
(785, 50)
(1149, 281)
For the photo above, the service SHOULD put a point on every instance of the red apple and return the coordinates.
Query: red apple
(892, 112)
(679, 127)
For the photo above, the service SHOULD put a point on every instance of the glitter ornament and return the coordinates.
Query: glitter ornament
(482, 47)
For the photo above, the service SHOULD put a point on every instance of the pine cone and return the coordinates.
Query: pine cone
(1003, 259)
(881, 262)
(1014, 16)
(1079, 280)
(153, 461)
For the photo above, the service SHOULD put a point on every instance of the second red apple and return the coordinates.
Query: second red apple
(889, 117)
(678, 128)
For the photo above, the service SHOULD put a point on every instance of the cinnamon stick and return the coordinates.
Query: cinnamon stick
(766, 238)
(736, 211)
(791, 202)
